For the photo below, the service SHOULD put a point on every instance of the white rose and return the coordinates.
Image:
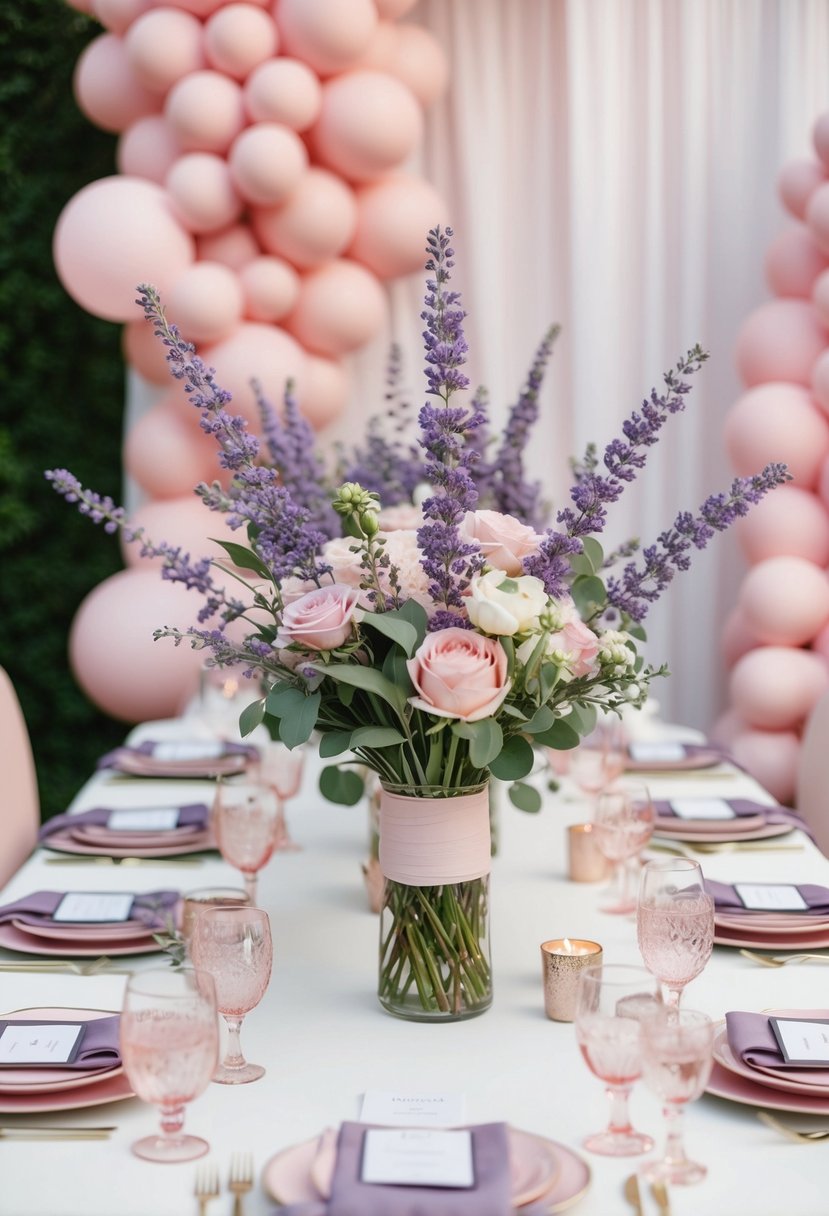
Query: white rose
(505, 606)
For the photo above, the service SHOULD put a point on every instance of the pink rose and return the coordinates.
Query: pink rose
(580, 644)
(319, 620)
(459, 674)
(503, 540)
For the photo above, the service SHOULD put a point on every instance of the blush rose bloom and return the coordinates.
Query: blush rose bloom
(499, 604)
(459, 674)
(574, 640)
(503, 539)
(321, 619)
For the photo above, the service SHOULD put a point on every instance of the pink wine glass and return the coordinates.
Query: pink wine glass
(246, 826)
(611, 1000)
(674, 923)
(596, 763)
(281, 768)
(234, 946)
(170, 1047)
(678, 1055)
(623, 819)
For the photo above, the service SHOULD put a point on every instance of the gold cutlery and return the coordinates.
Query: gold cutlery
(59, 964)
(84, 860)
(56, 1133)
(686, 848)
(207, 1185)
(241, 1180)
(632, 1193)
(813, 1137)
(776, 960)
(660, 1194)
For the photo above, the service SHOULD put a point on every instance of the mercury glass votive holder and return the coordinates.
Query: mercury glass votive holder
(585, 860)
(561, 961)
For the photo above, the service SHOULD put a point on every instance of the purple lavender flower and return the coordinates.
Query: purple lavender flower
(640, 586)
(290, 444)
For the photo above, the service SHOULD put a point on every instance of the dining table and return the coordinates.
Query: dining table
(325, 1040)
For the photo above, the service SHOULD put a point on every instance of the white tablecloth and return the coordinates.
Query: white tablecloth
(324, 1039)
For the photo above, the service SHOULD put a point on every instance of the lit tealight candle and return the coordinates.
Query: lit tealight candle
(561, 961)
(585, 860)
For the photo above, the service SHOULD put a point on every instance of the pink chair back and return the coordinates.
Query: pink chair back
(812, 798)
(19, 803)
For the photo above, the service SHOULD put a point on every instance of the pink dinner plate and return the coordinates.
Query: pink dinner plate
(541, 1170)
(128, 931)
(772, 922)
(702, 759)
(41, 1080)
(95, 834)
(113, 1089)
(88, 947)
(794, 1081)
(777, 940)
(64, 842)
(737, 1088)
(767, 832)
(723, 827)
(146, 766)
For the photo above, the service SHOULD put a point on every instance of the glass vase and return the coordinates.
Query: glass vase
(434, 927)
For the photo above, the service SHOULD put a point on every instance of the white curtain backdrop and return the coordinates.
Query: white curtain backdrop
(611, 165)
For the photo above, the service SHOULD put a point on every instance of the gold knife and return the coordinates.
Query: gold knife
(632, 1193)
(660, 1194)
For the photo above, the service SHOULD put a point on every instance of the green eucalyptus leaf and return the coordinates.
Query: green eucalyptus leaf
(244, 558)
(485, 740)
(368, 679)
(560, 736)
(395, 670)
(283, 699)
(594, 552)
(581, 564)
(416, 615)
(514, 761)
(582, 718)
(392, 626)
(376, 736)
(589, 595)
(636, 631)
(334, 743)
(296, 728)
(341, 785)
(542, 719)
(251, 717)
(525, 797)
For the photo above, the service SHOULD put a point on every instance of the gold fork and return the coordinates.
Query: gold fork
(56, 1133)
(207, 1185)
(241, 1179)
(774, 960)
(814, 1137)
(58, 965)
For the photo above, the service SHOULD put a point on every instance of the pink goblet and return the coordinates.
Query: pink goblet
(674, 923)
(623, 820)
(234, 946)
(170, 1046)
(245, 823)
(281, 768)
(678, 1055)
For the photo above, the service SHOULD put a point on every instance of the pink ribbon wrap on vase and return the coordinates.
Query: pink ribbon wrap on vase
(426, 842)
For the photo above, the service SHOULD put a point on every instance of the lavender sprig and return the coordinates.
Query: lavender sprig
(447, 432)
(290, 444)
(640, 586)
(388, 465)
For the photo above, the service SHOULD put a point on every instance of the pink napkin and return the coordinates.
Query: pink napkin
(726, 899)
(151, 909)
(752, 1040)
(146, 751)
(193, 815)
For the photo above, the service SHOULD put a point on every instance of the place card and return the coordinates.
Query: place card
(94, 907)
(770, 897)
(196, 750)
(418, 1156)
(143, 819)
(662, 751)
(802, 1040)
(702, 808)
(407, 1109)
(29, 1043)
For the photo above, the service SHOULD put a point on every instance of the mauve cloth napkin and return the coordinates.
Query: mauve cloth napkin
(742, 808)
(490, 1196)
(152, 908)
(194, 815)
(752, 1040)
(726, 898)
(147, 748)
(99, 1048)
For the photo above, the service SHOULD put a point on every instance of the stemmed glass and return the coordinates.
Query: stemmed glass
(234, 945)
(596, 763)
(245, 822)
(623, 820)
(610, 1001)
(170, 1047)
(678, 1054)
(674, 923)
(281, 768)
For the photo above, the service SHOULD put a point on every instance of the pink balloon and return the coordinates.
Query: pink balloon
(787, 521)
(256, 352)
(270, 288)
(393, 8)
(185, 522)
(369, 124)
(380, 50)
(114, 234)
(112, 652)
(817, 216)
(820, 381)
(737, 639)
(328, 35)
(785, 600)
(771, 757)
(726, 729)
(420, 62)
(202, 191)
(283, 90)
(780, 340)
(393, 216)
(313, 225)
(820, 297)
(341, 306)
(147, 148)
(118, 15)
(145, 352)
(106, 87)
(777, 422)
(323, 394)
(164, 46)
(233, 247)
(820, 137)
(823, 484)
(206, 302)
(267, 162)
(776, 687)
(205, 111)
(797, 182)
(820, 643)
(166, 453)
(239, 37)
(793, 263)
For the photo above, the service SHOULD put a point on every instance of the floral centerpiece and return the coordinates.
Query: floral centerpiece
(434, 656)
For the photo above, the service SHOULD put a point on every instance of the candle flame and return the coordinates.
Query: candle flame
(568, 946)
